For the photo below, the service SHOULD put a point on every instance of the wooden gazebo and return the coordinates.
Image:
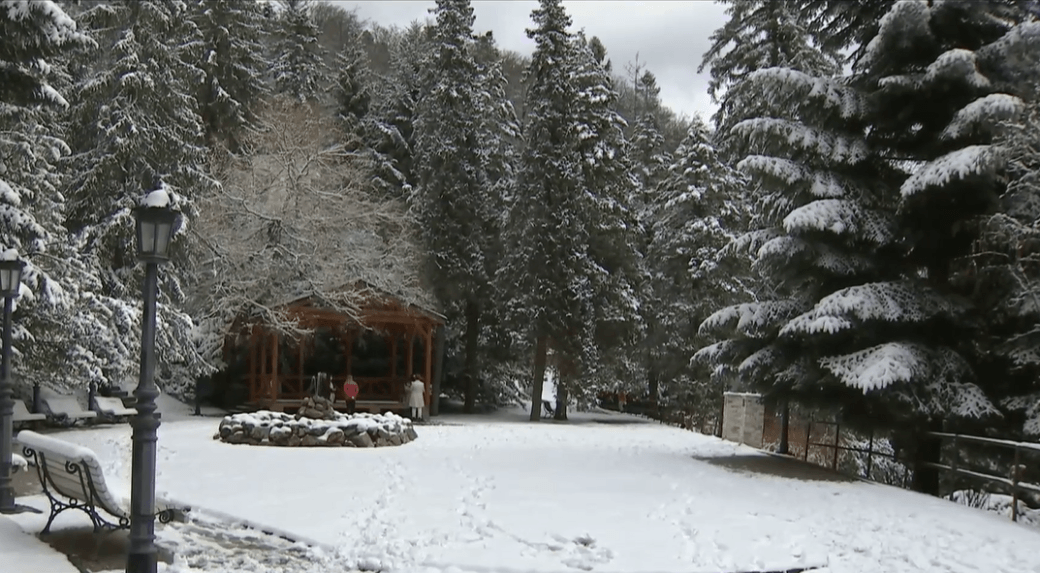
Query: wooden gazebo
(276, 375)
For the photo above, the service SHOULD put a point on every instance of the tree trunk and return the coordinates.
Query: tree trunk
(653, 389)
(561, 398)
(539, 378)
(785, 427)
(926, 479)
(472, 337)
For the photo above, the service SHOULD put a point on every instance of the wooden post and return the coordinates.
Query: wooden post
(393, 357)
(262, 379)
(956, 454)
(837, 446)
(1014, 484)
(438, 371)
(252, 364)
(274, 386)
(428, 369)
(301, 348)
(408, 359)
(349, 350)
(870, 453)
(808, 434)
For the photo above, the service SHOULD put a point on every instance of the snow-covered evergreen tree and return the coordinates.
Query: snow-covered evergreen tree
(500, 140)
(398, 94)
(34, 36)
(1007, 275)
(650, 155)
(759, 34)
(823, 239)
(943, 77)
(651, 162)
(134, 127)
(547, 270)
(613, 228)
(233, 60)
(298, 69)
(452, 199)
(698, 212)
(843, 28)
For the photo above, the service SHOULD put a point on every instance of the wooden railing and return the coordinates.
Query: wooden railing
(1012, 482)
(296, 387)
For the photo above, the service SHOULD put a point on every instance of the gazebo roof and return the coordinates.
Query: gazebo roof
(381, 310)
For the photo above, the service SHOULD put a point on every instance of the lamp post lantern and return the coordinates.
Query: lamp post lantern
(156, 224)
(10, 281)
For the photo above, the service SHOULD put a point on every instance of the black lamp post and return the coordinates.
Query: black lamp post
(10, 281)
(156, 223)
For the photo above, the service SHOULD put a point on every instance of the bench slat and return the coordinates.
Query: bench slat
(65, 483)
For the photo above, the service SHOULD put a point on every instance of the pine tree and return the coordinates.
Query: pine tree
(546, 272)
(34, 38)
(965, 61)
(697, 213)
(840, 25)
(398, 95)
(233, 61)
(455, 210)
(651, 161)
(134, 127)
(613, 229)
(299, 68)
(1006, 268)
(759, 34)
(500, 140)
(649, 151)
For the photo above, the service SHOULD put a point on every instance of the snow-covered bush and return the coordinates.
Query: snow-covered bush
(997, 503)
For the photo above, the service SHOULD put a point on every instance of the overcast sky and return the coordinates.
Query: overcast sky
(670, 37)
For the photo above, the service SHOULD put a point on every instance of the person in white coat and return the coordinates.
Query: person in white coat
(415, 398)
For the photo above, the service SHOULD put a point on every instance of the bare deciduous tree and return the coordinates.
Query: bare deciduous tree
(292, 218)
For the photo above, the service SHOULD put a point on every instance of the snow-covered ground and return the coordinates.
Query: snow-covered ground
(485, 495)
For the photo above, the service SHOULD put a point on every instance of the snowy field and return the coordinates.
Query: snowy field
(494, 494)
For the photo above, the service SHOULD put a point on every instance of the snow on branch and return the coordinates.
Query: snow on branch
(786, 90)
(294, 217)
(820, 184)
(983, 113)
(787, 253)
(723, 351)
(842, 217)
(1028, 404)
(764, 359)
(788, 137)
(886, 301)
(930, 380)
(956, 65)
(753, 319)
(880, 366)
(956, 165)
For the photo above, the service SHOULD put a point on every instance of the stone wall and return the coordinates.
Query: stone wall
(743, 418)
(338, 430)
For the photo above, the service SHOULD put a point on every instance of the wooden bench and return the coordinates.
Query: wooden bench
(112, 409)
(66, 411)
(21, 414)
(72, 479)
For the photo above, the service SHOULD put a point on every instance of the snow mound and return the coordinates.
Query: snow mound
(265, 428)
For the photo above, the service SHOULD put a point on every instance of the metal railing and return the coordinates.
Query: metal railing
(1013, 482)
(837, 447)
